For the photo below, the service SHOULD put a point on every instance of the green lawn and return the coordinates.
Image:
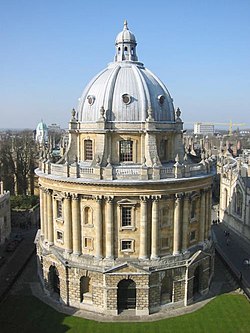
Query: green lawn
(227, 313)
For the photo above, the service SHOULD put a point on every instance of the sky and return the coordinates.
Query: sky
(51, 49)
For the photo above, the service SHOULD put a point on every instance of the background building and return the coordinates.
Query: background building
(235, 193)
(5, 217)
(204, 128)
(125, 213)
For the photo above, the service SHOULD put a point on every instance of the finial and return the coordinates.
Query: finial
(125, 27)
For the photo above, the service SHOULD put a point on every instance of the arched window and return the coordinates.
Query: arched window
(84, 286)
(163, 153)
(88, 150)
(126, 151)
(238, 202)
(53, 279)
(87, 215)
(193, 209)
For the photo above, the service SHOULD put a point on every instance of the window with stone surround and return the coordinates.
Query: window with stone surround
(59, 236)
(127, 214)
(87, 216)
(165, 243)
(193, 209)
(166, 289)
(59, 209)
(85, 289)
(238, 201)
(127, 245)
(88, 243)
(192, 236)
(126, 150)
(163, 150)
(165, 216)
(88, 150)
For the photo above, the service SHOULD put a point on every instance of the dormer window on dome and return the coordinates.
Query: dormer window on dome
(126, 99)
(91, 99)
(161, 99)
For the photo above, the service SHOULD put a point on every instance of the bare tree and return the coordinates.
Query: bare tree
(18, 154)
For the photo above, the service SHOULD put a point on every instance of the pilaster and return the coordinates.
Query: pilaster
(99, 232)
(177, 224)
(76, 227)
(67, 223)
(186, 205)
(110, 228)
(155, 228)
(143, 228)
(50, 225)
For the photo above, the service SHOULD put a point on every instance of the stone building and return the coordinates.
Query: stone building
(5, 217)
(125, 214)
(235, 192)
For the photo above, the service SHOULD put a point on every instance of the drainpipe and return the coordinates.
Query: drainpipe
(186, 287)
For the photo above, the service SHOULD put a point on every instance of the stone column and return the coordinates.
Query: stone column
(155, 228)
(41, 211)
(45, 218)
(207, 213)
(76, 227)
(143, 228)
(98, 223)
(186, 216)
(109, 229)
(202, 215)
(177, 225)
(50, 225)
(67, 223)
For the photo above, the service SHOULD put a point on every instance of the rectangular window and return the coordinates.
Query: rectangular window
(88, 150)
(126, 151)
(126, 245)
(165, 243)
(193, 209)
(59, 209)
(126, 216)
(192, 235)
(88, 243)
(59, 236)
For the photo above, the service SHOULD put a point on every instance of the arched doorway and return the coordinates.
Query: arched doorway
(166, 289)
(84, 286)
(54, 281)
(197, 281)
(126, 295)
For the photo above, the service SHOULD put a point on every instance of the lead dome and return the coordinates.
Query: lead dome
(126, 89)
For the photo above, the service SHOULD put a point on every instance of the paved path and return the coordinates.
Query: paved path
(15, 262)
(233, 249)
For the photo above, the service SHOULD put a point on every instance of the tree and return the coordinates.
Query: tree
(18, 155)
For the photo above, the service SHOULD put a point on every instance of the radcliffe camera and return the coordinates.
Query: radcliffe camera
(128, 205)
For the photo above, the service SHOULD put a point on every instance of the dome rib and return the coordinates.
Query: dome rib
(144, 93)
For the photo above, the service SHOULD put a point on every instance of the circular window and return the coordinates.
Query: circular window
(91, 99)
(126, 98)
(161, 99)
